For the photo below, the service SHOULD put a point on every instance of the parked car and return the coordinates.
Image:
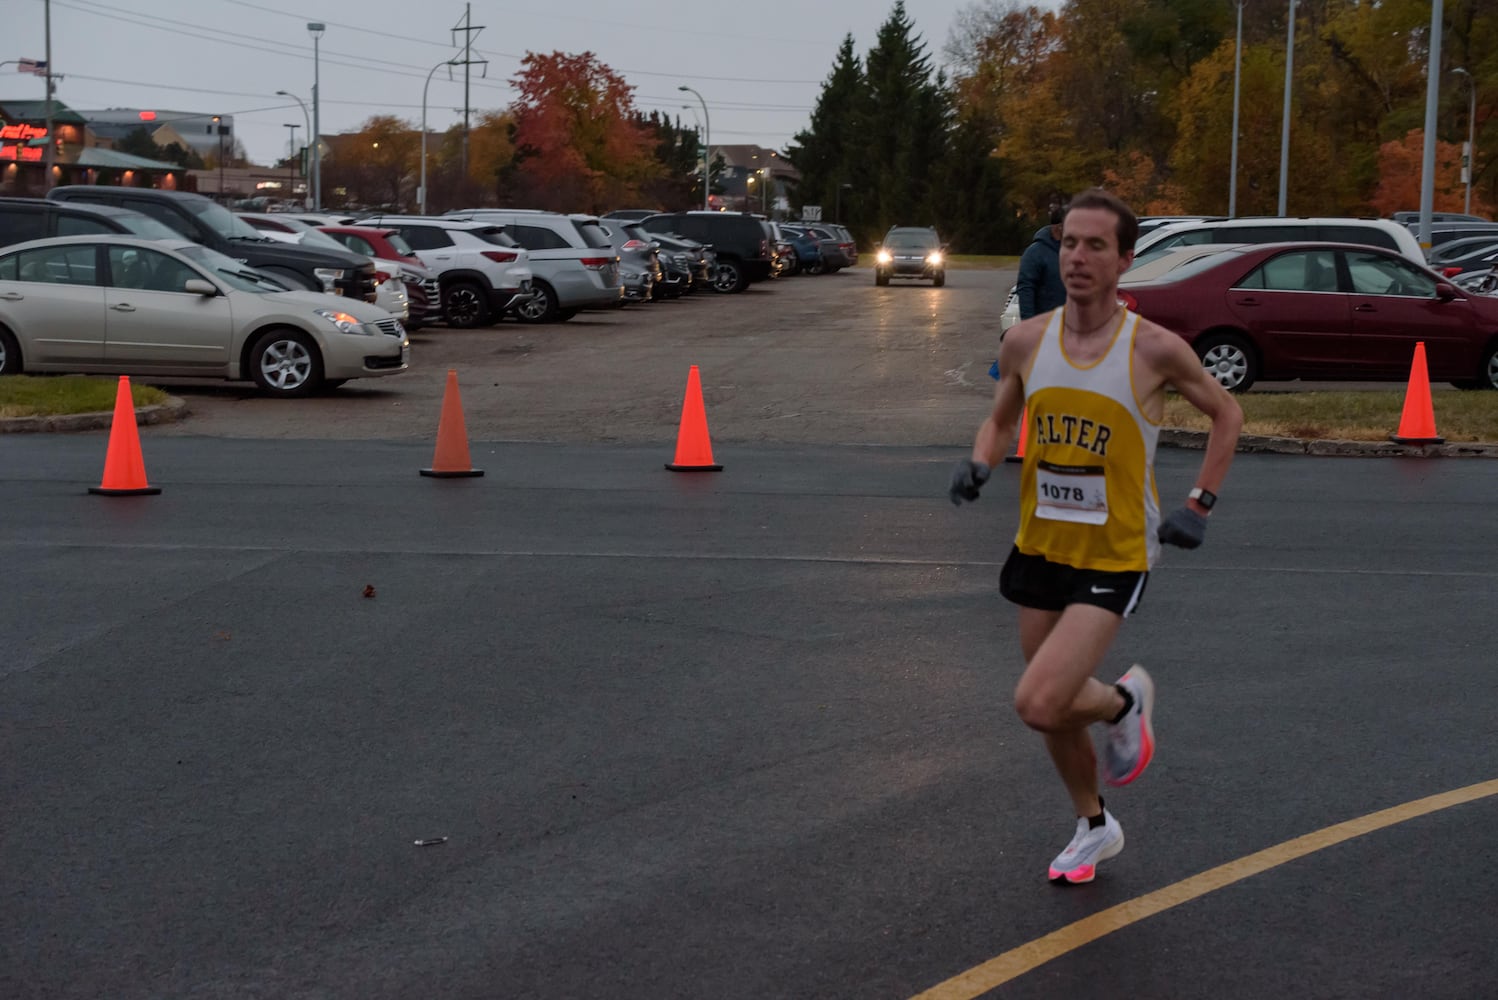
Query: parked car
(390, 291)
(26, 219)
(808, 248)
(689, 264)
(122, 305)
(640, 269)
(631, 214)
(1149, 223)
(1442, 233)
(571, 258)
(1323, 311)
(1413, 218)
(482, 272)
(206, 222)
(915, 252)
(740, 242)
(1373, 232)
(388, 249)
(323, 218)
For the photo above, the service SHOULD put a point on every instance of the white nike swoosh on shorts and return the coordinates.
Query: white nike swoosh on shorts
(1101, 590)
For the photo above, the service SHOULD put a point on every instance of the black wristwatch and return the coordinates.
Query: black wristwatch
(1204, 497)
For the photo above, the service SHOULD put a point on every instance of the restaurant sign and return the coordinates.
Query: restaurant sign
(15, 139)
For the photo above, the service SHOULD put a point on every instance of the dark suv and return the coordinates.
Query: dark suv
(911, 252)
(204, 221)
(741, 242)
(23, 219)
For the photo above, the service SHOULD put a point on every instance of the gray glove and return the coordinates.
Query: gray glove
(1185, 528)
(967, 478)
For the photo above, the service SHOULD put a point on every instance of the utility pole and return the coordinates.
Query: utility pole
(51, 156)
(468, 30)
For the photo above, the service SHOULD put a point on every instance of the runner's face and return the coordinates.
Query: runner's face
(1090, 262)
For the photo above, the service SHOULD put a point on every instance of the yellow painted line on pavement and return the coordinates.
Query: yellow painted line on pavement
(1016, 962)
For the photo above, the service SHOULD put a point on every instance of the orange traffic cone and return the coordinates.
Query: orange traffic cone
(1417, 425)
(124, 468)
(1024, 431)
(450, 460)
(694, 450)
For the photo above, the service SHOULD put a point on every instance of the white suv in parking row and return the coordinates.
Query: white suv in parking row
(572, 257)
(483, 272)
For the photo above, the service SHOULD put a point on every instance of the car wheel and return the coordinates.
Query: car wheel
(465, 305)
(540, 307)
(729, 277)
(10, 354)
(880, 278)
(1229, 359)
(286, 363)
(939, 280)
(1486, 379)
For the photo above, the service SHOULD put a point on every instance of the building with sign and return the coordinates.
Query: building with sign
(78, 155)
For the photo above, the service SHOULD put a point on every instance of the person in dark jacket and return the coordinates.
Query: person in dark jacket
(1039, 286)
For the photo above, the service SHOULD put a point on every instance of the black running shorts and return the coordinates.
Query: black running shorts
(1036, 582)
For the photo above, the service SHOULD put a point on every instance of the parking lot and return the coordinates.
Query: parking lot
(310, 725)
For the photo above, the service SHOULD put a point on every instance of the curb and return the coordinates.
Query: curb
(1251, 444)
(172, 410)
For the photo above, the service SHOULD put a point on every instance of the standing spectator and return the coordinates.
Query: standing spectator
(1039, 286)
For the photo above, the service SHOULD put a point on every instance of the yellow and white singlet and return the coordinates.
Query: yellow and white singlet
(1087, 485)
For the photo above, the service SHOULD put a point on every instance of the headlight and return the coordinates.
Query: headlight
(934, 257)
(343, 321)
(328, 276)
(883, 257)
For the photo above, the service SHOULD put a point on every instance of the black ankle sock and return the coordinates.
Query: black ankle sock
(1128, 704)
(1093, 822)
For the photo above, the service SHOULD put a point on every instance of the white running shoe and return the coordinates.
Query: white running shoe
(1131, 743)
(1078, 863)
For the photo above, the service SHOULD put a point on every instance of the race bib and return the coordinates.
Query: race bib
(1076, 493)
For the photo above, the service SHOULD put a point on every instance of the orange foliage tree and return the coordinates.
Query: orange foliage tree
(579, 145)
(1399, 168)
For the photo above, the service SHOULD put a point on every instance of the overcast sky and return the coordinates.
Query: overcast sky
(760, 78)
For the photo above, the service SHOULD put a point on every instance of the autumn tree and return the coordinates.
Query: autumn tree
(579, 145)
(1400, 163)
(827, 152)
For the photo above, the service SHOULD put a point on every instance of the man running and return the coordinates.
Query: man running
(1092, 377)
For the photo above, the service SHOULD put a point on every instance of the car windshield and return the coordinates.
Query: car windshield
(1198, 265)
(910, 242)
(222, 221)
(496, 236)
(399, 245)
(146, 227)
(236, 274)
(317, 238)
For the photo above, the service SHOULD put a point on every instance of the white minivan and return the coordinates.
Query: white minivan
(1369, 232)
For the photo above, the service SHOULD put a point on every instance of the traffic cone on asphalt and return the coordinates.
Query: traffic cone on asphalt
(1024, 427)
(124, 468)
(1417, 425)
(694, 449)
(451, 460)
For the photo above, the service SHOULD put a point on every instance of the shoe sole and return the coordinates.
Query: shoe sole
(1086, 873)
(1146, 726)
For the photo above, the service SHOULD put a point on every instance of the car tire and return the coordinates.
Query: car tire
(1487, 373)
(286, 362)
(816, 267)
(539, 308)
(880, 278)
(1230, 359)
(729, 277)
(10, 354)
(563, 315)
(465, 305)
(939, 280)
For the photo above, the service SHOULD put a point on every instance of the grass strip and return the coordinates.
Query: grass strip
(44, 395)
(1348, 416)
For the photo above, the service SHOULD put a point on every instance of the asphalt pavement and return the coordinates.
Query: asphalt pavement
(308, 725)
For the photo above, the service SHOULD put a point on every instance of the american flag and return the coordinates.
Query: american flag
(35, 66)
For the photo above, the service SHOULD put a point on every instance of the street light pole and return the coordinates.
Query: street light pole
(707, 142)
(422, 196)
(291, 157)
(1285, 117)
(1432, 107)
(218, 125)
(316, 28)
(1469, 154)
(1237, 78)
(305, 117)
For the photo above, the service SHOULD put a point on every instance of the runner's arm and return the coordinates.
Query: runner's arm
(1182, 370)
(996, 433)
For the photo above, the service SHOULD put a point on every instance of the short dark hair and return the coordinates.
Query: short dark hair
(1058, 212)
(1128, 222)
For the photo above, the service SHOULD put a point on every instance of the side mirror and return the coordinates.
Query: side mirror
(198, 286)
(1445, 291)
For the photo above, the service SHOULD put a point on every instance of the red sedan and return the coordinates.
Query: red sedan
(383, 244)
(1322, 311)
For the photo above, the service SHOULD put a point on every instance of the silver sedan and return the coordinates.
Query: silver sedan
(121, 305)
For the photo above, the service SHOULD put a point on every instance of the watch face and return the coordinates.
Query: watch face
(1203, 497)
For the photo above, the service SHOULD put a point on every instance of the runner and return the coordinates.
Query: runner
(1092, 377)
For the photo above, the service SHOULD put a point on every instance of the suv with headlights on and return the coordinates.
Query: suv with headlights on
(483, 273)
(911, 252)
(209, 224)
(573, 263)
